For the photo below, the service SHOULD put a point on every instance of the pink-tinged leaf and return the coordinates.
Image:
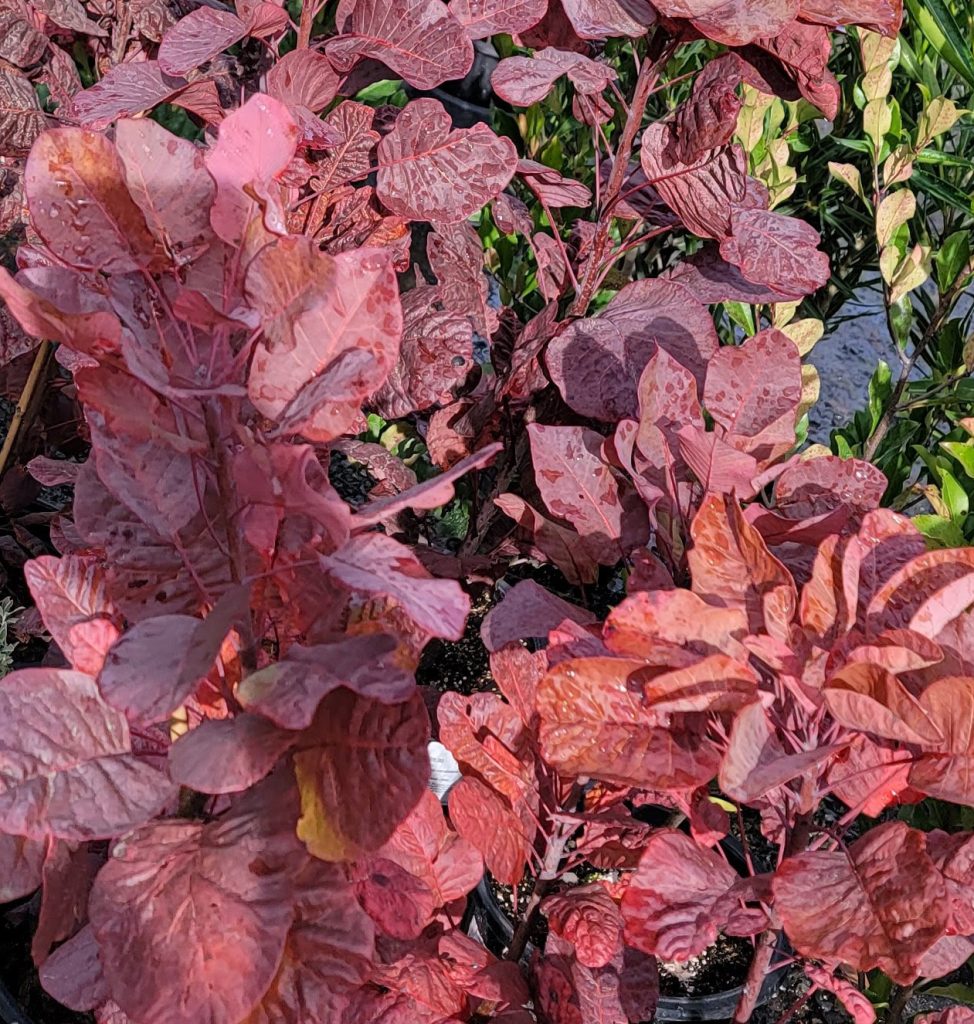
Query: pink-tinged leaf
(191, 920)
(776, 251)
(716, 683)
(228, 755)
(712, 279)
(954, 856)
(753, 392)
(419, 40)
(709, 117)
(158, 663)
(528, 610)
(947, 772)
(756, 762)
(456, 257)
(352, 157)
(855, 1002)
(927, 593)
(73, 974)
(319, 312)
(80, 206)
(551, 187)
(482, 19)
(289, 691)
(671, 906)
(517, 673)
(880, 903)
(167, 178)
(596, 19)
(66, 766)
(328, 954)
(884, 16)
(255, 144)
(647, 623)
(21, 866)
(813, 486)
(432, 493)
(435, 357)
(198, 37)
(733, 22)
(952, 1015)
(719, 467)
(597, 363)
(576, 484)
(127, 89)
(870, 776)
(376, 564)
(555, 542)
(704, 194)
(428, 172)
(868, 698)
(69, 14)
(589, 919)
(524, 81)
(488, 822)
(425, 847)
(359, 753)
(72, 597)
(21, 117)
(400, 904)
(594, 725)
(303, 78)
(732, 568)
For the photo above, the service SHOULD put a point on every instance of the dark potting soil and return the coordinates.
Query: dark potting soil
(463, 665)
(719, 968)
(17, 971)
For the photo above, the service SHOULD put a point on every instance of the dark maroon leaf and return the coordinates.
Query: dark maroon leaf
(708, 118)
(528, 610)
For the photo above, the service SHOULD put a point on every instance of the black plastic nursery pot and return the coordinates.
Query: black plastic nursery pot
(496, 931)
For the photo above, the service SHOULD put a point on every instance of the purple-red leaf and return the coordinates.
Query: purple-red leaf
(528, 610)
(66, 762)
(484, 18)
(879, 903)
(191, 921)
(524, 81)
(419, 40)
(127, 89)
(197, 37)
(596, 19)
(428, 172)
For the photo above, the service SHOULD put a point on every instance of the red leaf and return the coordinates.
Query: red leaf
(883, 16)
(670, 907)
(488, 822)
(80, 206)
(72, 598)
(954, 856)
(190, 919)
(708, 118)
(576, 484)
(588, 918)
(595, 19)
(594, 725)
(127, 89)
(376, 564)
(528, 610)
(732, 568)
(704, 194)
(159, 662)
(360, 753)
(198, 37)
(228, 755)
(776, 251)
(811, 487)
(753, 392)
(352, 157)
(733, 22)
(428, 172)
(855, 1002)
(425, 847)
(332, 326)
(720, 468)
(484, 18)
(21, 862)
(168, 180)
(524, 81)
(255, 144)
(596, 363)
(303, 78)
(419, 40)
(881, 903)
(328, 954)
(66, 766)
(398, 902)
(712, 279)
(456, 257)
(73, 974)
(948, 771)
(289, 691)
(435, 357)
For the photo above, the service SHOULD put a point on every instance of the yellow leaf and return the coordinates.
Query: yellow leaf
(849, 175)
(894, 211)
(320, 836)
(939, 116)
(805, 333)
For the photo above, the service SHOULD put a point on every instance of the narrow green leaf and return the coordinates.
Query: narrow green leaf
(942, 31)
